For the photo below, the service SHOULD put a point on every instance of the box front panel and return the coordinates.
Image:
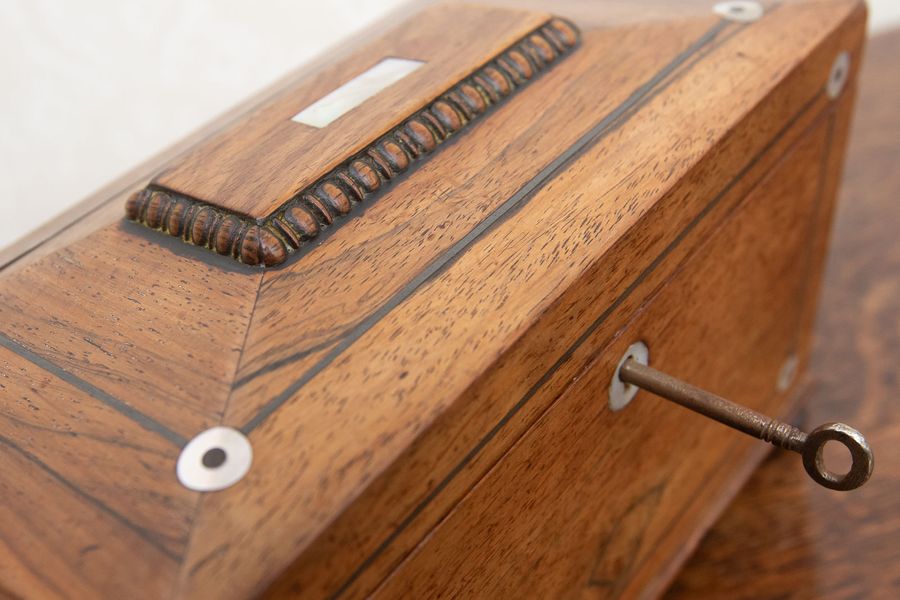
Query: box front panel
(601, 504)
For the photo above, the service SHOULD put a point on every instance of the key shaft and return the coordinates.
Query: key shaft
(758, 425)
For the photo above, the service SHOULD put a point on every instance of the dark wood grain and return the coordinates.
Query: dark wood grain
(387, 376)
(783, 537)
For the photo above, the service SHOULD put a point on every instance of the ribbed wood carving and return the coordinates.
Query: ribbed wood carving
(269, 241)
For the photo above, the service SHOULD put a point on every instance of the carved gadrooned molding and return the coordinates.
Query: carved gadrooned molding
(271, 240)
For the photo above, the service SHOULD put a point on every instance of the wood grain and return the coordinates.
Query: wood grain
(159, 332)
(258, 165)
(502, 391)
(65, 432)
(782, 537)
(499, 399)
(530, 527)
(388, 374)
(278, 230)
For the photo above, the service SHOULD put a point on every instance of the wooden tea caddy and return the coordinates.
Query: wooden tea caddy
(374, 357)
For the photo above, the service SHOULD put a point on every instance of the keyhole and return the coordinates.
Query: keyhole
(214, 458)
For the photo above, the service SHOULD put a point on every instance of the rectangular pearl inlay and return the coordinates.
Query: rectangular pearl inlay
(356, 91)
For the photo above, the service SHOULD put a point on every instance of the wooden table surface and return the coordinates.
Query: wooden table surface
(784, 537)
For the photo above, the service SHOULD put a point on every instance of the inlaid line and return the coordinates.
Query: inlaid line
(610, 123)
(106, 398)
(806, 280)
(570, 351)
(302, 354)
(143, 533)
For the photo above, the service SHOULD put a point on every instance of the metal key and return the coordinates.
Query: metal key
(633, 372)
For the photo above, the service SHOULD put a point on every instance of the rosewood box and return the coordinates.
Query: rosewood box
(357, 338)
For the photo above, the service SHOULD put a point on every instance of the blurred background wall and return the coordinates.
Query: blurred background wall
(92, 88)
